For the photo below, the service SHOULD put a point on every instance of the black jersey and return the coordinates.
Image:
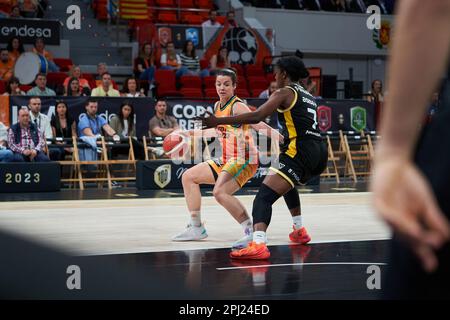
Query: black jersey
(299, 120)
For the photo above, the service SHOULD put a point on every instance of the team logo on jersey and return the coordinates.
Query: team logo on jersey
(324, 118)
(162, 175)
(358, 118)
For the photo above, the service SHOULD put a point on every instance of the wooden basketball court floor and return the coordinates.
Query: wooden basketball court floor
(347, 237)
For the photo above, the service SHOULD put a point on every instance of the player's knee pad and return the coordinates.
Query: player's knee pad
(262, 205)
(292, 199)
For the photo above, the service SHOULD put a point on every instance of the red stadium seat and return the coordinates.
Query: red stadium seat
(255, 70)
(191, 19)
(210, 82)
(204, 64)
(258, 82)
(56, 78)
(2, 86)
(210, 93)
(270, 77)
(242, 82)
(192, 92)
(25, 88)
(243, 93)
(63, 64)
(169, 18)
(165, 3)
(239, 69)
(205, 4)
(166, 83)
(191, 82)
(187, 4)
(257, 92)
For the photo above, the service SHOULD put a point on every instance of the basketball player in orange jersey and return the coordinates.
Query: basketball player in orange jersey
(237, 165)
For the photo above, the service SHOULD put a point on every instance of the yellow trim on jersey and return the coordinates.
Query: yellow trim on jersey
(282, 175)
(293, 101)
(292, 149)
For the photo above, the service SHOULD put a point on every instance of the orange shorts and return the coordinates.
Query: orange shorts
(241, 170)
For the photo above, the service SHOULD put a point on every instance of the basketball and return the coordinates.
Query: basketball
(175, 144)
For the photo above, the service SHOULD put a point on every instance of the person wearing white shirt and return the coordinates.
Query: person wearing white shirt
(212, 21)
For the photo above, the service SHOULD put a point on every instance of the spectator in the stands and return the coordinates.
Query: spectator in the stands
(131, 89)
(386, 6)
(376, 94)
(91, 124)
(15, 48)
(73, 88)
(42, 6)
(220, 60)
(190, 61)
(212, 21)
(13, 88)
(63, 126)
(15, 13)
(161, 124)
(172, 61)
(123, 124)
(62, 123)
(29, 8)
(268, 92)
(231, 19)
(144, 65)
(6, 155)
(41, 88)
(39, 48)
(75, 72)
(101, 69)
(6, 65)
(105, 89)
(26, 140)
(38, 118)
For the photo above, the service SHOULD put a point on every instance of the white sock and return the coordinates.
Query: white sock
(297, 222)
(196, 219)
(247, 226)
(259, 237)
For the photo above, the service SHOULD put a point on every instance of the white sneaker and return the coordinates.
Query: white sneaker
(243, 242)
(191, 233)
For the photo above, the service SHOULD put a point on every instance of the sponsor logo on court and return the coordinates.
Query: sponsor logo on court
(163, 175)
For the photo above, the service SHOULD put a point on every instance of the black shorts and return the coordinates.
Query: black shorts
(311, 159)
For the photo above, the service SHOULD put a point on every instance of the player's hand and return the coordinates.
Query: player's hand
(209, 121)
(404, 199)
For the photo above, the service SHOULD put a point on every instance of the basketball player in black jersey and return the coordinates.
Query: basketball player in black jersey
(411, 182)
(303, 153)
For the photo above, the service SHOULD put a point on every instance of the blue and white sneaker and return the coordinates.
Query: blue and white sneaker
(191, 233)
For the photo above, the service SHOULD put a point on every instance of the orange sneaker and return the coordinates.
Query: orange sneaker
(300, 236)
(254, 251)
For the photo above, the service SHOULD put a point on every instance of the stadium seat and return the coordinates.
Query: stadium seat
(191, 82)
(270, 77)
(2, 86)
(63, 64)
(257, 92)
(165, 3)
(242, 82)
(204, 64)
(191, 19)
(165, 83)
(254, 70)
(243, 93)
(187, 3)
(56, 78)
(209, 82)
(239, 69)
(204, 4)
(210, 93)
(258, 82)
(169, 18)
(192, 92)
(25, 88)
